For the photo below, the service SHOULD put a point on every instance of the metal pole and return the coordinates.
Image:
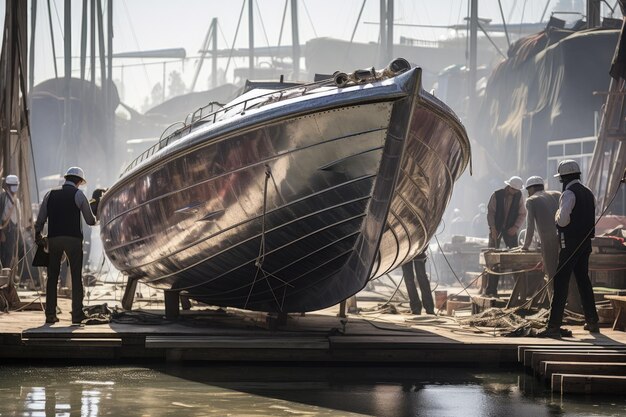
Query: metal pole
(251, 38)
(92, 46)
(101, 51)
(383, 32)
(67, 120)
(214, 53)
(295, 36)
(31, 57)
(472, 59)
(110, 44)
(593, 13)
(389, 51)
(83, 41)
(54, 53)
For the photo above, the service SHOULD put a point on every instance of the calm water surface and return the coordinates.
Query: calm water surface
(266, 390)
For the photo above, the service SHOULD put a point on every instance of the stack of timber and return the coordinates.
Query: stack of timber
(576, 369)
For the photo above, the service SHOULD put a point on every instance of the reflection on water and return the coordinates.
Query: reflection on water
(200, 390)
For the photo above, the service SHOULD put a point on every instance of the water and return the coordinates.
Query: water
(201, 390)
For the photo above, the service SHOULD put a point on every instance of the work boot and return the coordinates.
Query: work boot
(551, 332)
(52, 319)
(592, 327)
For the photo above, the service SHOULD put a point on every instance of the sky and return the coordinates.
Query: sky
(158, 24)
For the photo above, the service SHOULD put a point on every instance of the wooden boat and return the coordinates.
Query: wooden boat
(289, 200)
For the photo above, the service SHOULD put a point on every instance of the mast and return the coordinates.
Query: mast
(389, 49)
(214, 53)
(67, 109)
(251, 38)
(471, 82)
(593, 13)
(383, 32)
(295, 39)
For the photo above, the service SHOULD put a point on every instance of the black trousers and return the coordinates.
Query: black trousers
(417, 269)
(73, 248)
(493, 280)
(576, 261)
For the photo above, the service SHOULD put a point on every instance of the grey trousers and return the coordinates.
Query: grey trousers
(73, 248)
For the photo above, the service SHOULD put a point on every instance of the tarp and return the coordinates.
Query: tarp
(544, 91)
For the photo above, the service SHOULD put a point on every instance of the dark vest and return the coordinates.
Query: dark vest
(63, 215)
(583, 217)
(505, 220)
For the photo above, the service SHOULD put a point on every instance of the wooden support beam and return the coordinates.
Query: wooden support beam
(172, 304)
(528, 354)
(588, 384)
(539, 357)
(583, 368)
(524, 357)
(129, 293)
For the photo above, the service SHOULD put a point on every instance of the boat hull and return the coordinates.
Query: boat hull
(293, 207)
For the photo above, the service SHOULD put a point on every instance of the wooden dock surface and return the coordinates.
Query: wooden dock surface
(232, 335)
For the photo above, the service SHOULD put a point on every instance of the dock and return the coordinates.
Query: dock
(228, 335)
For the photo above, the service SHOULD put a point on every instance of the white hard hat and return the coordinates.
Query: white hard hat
(12, 180)
(566, 167)
(515, 182)
(76, 172)
(534, 180)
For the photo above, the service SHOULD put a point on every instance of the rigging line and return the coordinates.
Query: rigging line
(54, 53)
(506, 31)
(306, 9)
(58, 18)
(261, 256)
(522, 18)
(132, 30)
(358, 19)
(256, 3)
(512, 10)
(545, 9)
(282, 23)
(232, 47)
(491, 40)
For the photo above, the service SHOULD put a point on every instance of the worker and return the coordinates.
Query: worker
(541, 207)
(62, 209)
(479, 222)
(416, 269)
(506, 213)
(10, 210)
(575, 221)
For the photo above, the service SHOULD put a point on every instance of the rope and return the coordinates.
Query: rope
(262, 248)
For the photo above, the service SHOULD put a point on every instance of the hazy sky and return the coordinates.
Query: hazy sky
(157, 24)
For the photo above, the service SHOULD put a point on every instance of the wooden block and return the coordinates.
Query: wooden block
(223, 342)
(526, 355)
(538, 357)
(619, 305)
(589, 384)
(583, 368)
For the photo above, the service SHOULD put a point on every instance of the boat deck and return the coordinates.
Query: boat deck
(234, 335)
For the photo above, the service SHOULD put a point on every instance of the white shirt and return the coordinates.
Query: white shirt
(566, 205)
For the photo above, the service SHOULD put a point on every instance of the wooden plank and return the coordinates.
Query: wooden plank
(619, 305)
(521, 350)
(538, 357)
(200, 342)
(529, 353)
(588, 384)
(583, 368)
(73, 341)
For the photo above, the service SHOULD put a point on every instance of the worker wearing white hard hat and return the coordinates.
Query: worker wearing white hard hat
(506, 213)
(575, 221)
(61, 209)
(541, 206)
(10, 215)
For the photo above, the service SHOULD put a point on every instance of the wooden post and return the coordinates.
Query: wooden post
(129, 293)
(172, 304)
